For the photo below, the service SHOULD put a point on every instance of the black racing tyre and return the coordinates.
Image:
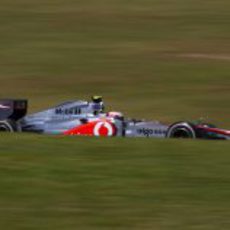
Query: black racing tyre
(181, 130)
(8, 126)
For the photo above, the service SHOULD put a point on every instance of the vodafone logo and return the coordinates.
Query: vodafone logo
(103, 128)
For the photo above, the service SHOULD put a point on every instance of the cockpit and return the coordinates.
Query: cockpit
(95, 107)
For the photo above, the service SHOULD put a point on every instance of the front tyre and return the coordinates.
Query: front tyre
(181, 130)
(8, 126)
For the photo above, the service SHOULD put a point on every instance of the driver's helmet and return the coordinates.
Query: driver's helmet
(97, 104)
(96, 99)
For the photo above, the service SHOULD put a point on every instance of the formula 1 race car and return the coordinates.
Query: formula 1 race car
(89, 119)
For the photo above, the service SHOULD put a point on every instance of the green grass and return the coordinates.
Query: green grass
(159, 59)
(134, 53)
(92, 183)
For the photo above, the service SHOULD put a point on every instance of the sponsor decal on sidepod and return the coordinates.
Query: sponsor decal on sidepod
(95, 128)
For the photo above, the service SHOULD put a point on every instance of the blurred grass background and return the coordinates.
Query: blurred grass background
(166, 60)
(113, 183)
(156, 59)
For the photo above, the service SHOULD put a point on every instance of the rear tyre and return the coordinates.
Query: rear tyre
(8, 126)
(181, 130)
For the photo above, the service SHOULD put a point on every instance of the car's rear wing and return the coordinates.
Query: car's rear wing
(12, 109)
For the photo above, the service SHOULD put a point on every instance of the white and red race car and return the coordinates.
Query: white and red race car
(89, 119)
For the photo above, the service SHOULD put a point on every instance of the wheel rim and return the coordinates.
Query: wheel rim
(181, 133)
(4, 128)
